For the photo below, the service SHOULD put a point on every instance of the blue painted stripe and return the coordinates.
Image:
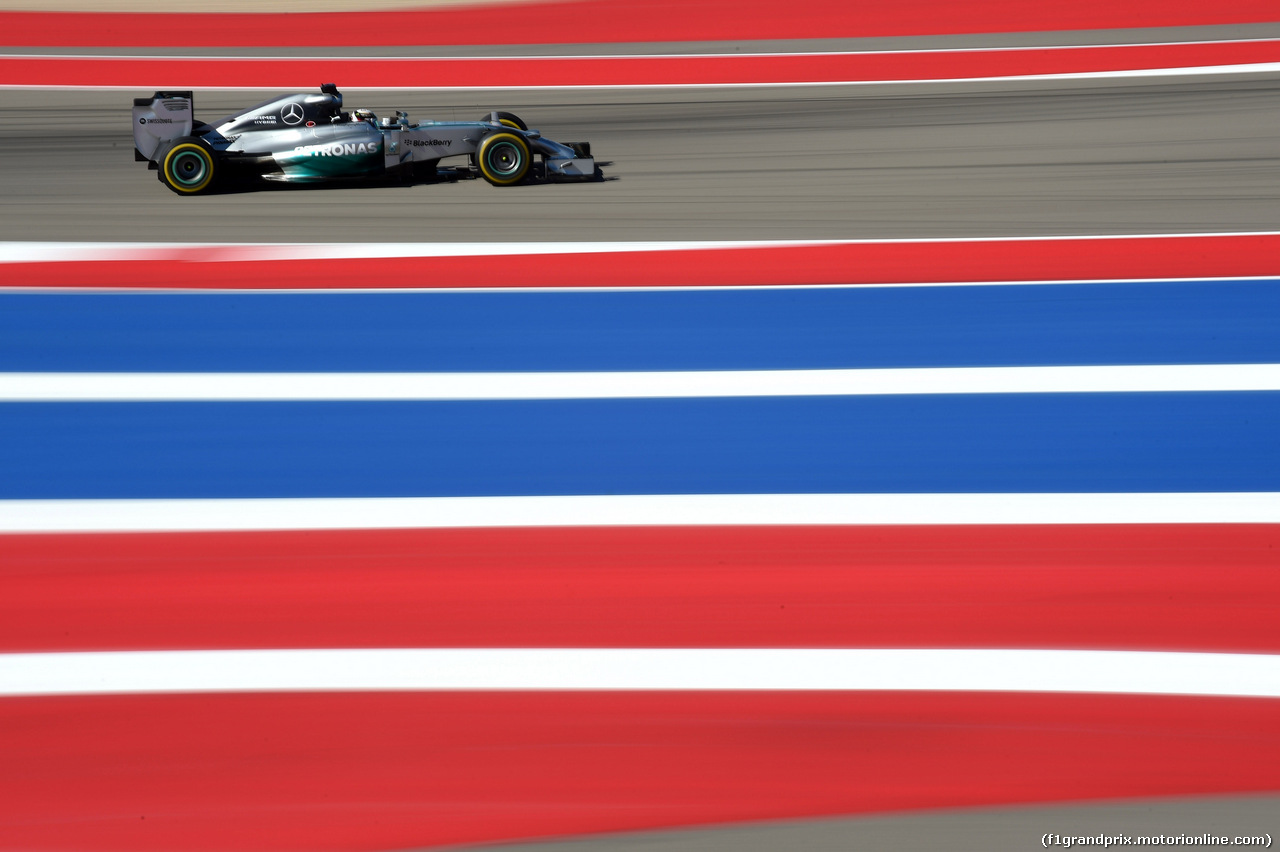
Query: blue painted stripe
(1000, 443)
(1155, 323)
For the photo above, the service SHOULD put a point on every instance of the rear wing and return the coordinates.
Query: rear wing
(158, 119)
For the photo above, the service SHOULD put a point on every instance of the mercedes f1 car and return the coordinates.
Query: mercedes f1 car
(302, 138)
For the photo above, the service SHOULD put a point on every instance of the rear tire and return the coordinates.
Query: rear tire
(503, 159)
(189, 167)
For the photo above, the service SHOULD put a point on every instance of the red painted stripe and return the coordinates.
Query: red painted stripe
(847, 263)
(172, 72)
(390, 771)
(1192, 588)
(604, 21)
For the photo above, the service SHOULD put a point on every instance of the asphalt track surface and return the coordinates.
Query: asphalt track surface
(1159, 155)
(997, 159)
(977, 830)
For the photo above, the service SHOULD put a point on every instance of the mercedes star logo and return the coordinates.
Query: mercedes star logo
(292, 114)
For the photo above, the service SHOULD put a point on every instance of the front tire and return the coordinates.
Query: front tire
(507, 118)
(503, 159)
(189, 167)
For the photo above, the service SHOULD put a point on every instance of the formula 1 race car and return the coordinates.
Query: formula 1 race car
(307, 137)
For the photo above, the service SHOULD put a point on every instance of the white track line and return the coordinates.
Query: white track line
(919, 51)
(54, 251)
(672, 288)
(332, 513)
(1132, 74)
(301, 83)
(1146, 672)
(1162, 71)
(218, 387)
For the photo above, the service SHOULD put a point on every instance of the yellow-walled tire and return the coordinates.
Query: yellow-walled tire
(188, 168)
(507, 118)
(503, 159)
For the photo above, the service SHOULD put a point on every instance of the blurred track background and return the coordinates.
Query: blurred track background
(995, 159)
(1189, 152)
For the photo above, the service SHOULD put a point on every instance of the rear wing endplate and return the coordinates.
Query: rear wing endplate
(158, 119)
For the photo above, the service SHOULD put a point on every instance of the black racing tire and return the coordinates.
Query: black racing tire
(189, 167)
(503, 159)
(507, 118)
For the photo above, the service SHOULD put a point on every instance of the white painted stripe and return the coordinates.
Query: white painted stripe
(51, 252)
(681, 288)
(64, 516)
(215, 387)
(55, 251)
(919, 51)
(1145, 672)
(300, 83)
(1135, 74)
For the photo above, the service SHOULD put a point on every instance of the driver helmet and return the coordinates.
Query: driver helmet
(365, 115)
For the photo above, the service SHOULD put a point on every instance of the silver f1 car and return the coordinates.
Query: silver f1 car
(306, 137)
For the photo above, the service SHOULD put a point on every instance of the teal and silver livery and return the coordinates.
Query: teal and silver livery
(301, 138)
(324, 160)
